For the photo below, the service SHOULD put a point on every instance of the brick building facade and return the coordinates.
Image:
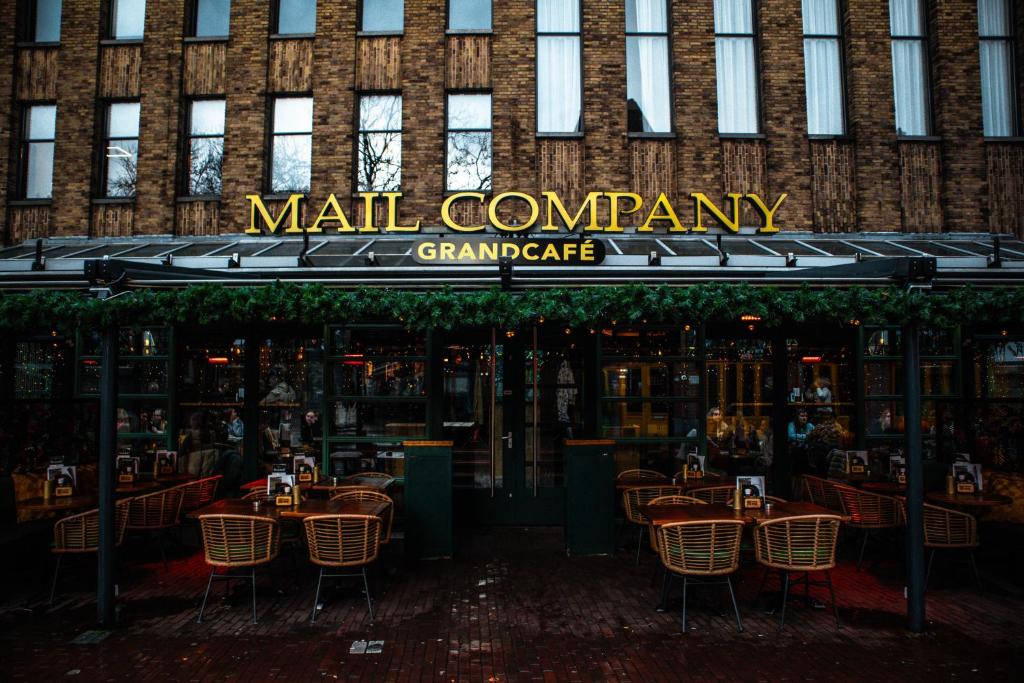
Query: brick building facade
(869, 179)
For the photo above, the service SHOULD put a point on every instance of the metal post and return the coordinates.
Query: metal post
(915, 479)
(251, 407)
(782, 459)
(105, 590)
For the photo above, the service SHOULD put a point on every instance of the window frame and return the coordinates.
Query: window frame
(24, 143)
(361, 32)
(185, 180)
(105, 146)
(192, 20)
(461, 31)
(401, 132)
(667, 35)
(448, 131)
(840, 39)
(25, 26)
(1011, 40)
(925, 40)
(271, 117)
(112, 24)
(754, 36)
(537, 34)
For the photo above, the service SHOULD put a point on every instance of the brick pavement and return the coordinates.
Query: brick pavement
(510, 606)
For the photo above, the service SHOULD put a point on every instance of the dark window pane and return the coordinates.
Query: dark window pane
(377, 342)
(378, 418)
(369, 377)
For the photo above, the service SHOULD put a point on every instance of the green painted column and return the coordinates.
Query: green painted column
(428, 499)
(590, 497)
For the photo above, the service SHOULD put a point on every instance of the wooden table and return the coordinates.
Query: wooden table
(666, 514)
(705, 482)
(54, 504)
(308, 508)
(889, 488)
(169, 479)
(632, 483)
(972, 500)
(375, 483)
(137, 487)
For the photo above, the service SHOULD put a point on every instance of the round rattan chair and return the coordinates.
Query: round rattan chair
(80, 535)
(368, 474)
(343, 542)
(704, 552)
(669, 500)
(946, 529)
(723, 495)
(388, 516)
(642, 475)
(199, 493)
(869, 512)
(237, 542)
(155, 513)
(633, 498)
(822, 492)
(799, 544)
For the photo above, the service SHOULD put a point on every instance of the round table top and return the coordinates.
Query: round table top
(72, 503)
(983, 499)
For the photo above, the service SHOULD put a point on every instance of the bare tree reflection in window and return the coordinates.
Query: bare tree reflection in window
(122, 168)
(207, 163)
(379, 148)
(469, 142)
(292, 161)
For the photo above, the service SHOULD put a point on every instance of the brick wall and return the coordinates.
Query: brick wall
(868, 181)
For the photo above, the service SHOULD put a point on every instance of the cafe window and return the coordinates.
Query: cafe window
(910, 66)
(736, 67)
(121, 149)
(469, 142)
(379, 154)
(469, 15)
(291, 397)
(559, 67)
(39, 132)
(650, 394)
(648, 99)
(41, 21)
(377, 390)
(998, 377)
(205, 147)
(996, 45)
(738, 422)
(296, 17)
(823, 67)
(211, 18)
(382, 16)
(210, 391)
(291, 145)
(127, 19)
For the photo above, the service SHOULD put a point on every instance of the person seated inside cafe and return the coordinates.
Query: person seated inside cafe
(826, 436)
(311, 431)
(721, 439)
(799, 428)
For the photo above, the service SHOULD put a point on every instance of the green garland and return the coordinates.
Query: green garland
(579, 307)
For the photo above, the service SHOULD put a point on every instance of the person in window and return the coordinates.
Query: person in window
(158, 423)
(799, 428)
(822, 390)
(281, 391)
(235, 426)
(827, 436)
(311, 430)
(882, 424)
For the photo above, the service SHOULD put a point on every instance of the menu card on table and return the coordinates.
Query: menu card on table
(279, 487)
(967, 477)
(695, 466)
(64, 479)
(166, 462)
(857, 461)
(898, 468)
(303, 468)
(751, 492)
(127, 469)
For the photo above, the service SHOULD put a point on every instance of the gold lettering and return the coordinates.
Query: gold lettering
(587, 251)
(614, 211)
(700, 199)
(492, 211)
(530, 251)
(427, 250)
(466, 253)
(570, 222)
(393, 198)
(569, 249)
(550, 253)
(368, 200)
(291, 208)
(488, 251)
(336, 215)
(446, 216)
(766, 213)
(447, 251)
(510, 249)
(669, 214)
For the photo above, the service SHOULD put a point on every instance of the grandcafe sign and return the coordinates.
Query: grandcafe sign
(549, 214)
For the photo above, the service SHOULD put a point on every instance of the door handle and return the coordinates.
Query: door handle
(508, 439)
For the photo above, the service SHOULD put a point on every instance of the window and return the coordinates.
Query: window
(736, 67)
(42, 25)
(211, 18)
(37, 151)
(823, 68)
(380, 144)
(469, 143)
(909, 70)
(296, 16)
(292, 147)
(648, 102)
(382, 16)
(122, 149)
(469, 15)
(205, 147)
(127, 19)
(559, 87)
(995, 36)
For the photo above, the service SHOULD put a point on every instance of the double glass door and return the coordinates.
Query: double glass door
(511, 398)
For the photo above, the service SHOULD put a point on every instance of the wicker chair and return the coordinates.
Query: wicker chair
(343, 541)
(388, 516)
(869, 512)
(722, 495)
(237, 542)
(703, 553)
(710, 477)
(155, 513)
(946, 529)
(799, 544)
(255, 494)
(80, 534)
(669, 500)
(199, 493)
(822, 492)
(775, 500)
(634, 497)
(369, 474)
(642, 475)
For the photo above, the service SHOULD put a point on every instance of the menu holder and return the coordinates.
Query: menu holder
(127, 469)
(967, 477)
(751, 490)
(858, 461)
(279, 488)
(64, 479)
(166, 462)
(284, 500)
(898, 468)
(695, 466)
(303, 467)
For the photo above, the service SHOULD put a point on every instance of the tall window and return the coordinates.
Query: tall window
(211, 18)
(42, 25)
(205, 147)
(559, 87)
(736, 67)
(296, 16)
(909, 69)
(127, 19)
(385, 16)
(469, 142)
(648, 102)
(122, 149)
(37, 151)
(292, 145)
(995, 35)
(379, 162)
(823, 67)
(469, 15)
